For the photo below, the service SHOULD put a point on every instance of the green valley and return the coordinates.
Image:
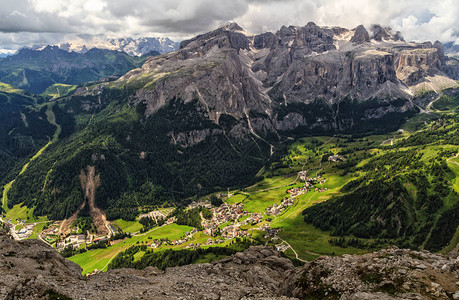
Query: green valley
(337, 167)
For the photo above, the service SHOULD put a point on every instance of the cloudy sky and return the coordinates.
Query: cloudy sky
(31, 22)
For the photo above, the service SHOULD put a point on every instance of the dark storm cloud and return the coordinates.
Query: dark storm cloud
(183, 17)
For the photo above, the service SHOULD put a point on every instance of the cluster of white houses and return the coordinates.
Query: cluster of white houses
(276, 209)
(77, 240)
(221, 215)
(24, 231)
(233, 231)
(186, 238)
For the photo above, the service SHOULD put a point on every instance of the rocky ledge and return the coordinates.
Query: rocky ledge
(387, 274)
(31, 270)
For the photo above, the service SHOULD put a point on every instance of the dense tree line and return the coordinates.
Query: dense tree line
(357, 243)
(444, 229)
(215, 201)
(128, 214)
(119, 235)
(377, 210)
(206, 213)
(442, 131)
(23, 131)
(149, 222)
(134, 158)
(190, 217)
(99, 245)
(172, 258)
(69, 251)
(447, 102)
(398, 198)
(351, 118)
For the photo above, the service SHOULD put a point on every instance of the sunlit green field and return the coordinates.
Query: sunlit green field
(454, 166)
(23, 213)
(4, 87)
(128, 226)
(237, 198)
(259, 201)
(99, 258)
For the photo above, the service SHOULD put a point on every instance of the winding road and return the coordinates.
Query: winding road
(453, 162)
(296, 254)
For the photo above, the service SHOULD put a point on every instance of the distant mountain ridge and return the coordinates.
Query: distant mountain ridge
(36, 70)
(451, 49)
(132, 46)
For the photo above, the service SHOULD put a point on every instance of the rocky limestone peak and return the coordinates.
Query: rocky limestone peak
(451, 49)
(440, 50)
(310, 38)
(380, 33)
(264, 40)
(388, 274)
(360, 35)
(232, 73)
(229, 35)
(398, 36)
(339, 30)
(50, 48)
(232, 26)
(426, 45)
(33, 270)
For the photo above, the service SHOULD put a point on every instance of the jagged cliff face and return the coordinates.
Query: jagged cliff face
(258, 79)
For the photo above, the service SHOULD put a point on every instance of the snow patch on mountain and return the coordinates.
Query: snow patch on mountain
(132, 46)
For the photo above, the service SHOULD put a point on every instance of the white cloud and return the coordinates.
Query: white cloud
(31, 21)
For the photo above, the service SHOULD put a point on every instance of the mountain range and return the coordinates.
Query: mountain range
(36, 70)
(221, 108)
(299, 78)
(76, 62)
(132, 46)
(451, 49)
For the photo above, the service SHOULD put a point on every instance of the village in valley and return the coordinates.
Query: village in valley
(269, 212)
(239, 215)
(228, 221)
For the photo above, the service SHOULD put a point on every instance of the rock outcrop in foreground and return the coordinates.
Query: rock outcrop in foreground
(31, 270)
(387, 274)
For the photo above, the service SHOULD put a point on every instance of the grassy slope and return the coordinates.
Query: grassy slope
(52, 120)
(453, 164)
(308, 241)
(17, 211)
(7, 88)
(23, 212)
(59, 90)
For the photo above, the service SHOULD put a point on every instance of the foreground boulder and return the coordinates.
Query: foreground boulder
(32, 270)
(387, 274)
